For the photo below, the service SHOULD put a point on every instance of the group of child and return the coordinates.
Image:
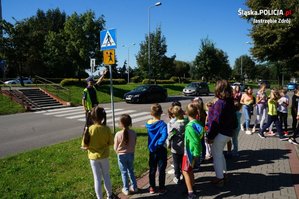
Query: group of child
(273, 109)
(184, 135)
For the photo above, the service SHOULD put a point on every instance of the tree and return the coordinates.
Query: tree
(160, 64)
(248, 68)
(275, 42)
(210, 62)
(181, 69)
(82, 33)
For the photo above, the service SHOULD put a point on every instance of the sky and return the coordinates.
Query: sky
(184, 23)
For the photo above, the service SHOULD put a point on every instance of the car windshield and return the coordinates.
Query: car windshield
(141, 88)
(192, 85)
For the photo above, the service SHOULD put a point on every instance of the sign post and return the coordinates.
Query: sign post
(108, 44)
(92, 65)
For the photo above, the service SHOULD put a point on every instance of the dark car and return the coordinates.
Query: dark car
(292, 86)
(146, 93)
(267, 83)
(196, 88)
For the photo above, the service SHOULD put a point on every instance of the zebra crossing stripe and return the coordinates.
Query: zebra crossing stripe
(60, 109)
(110, 114)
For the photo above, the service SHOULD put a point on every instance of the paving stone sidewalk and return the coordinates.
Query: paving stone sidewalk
(266, 168)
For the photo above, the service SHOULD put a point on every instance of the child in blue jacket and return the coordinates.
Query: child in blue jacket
(157, 135)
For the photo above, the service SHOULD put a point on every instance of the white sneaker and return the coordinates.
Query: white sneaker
(253, 130)
(248, 132)
(125, 192)
(242, 127)
(293, 141)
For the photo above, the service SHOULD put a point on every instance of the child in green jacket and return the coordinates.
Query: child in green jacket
(194, 132)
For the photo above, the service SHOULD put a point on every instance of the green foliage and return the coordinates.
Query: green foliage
(136, 79)
(77, 82)
(61, 171)
(210, 62)
(146, 81)
(175, 79)
(248, 68)
(51, 44)
(161, 66)
(277, 41)
(7, 106)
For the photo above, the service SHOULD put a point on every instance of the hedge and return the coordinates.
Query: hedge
(76, 82)
(146, 81)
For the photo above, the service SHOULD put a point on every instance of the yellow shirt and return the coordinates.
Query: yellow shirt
(272, 107)
(100, 140)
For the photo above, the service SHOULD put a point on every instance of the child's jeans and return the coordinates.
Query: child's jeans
(235, 140)
(247, 115)
(177, 163)
(100, 167)
(158, 159)
(126, 167)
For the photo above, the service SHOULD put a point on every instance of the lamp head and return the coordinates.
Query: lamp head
(158, 4)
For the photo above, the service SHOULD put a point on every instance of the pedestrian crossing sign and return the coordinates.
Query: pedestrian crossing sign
(109, 57)
(108, 39)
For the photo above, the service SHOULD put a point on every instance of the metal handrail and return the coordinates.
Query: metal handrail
(53, 85)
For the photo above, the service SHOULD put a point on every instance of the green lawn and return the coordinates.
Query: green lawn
(61, 171)
(7, 106)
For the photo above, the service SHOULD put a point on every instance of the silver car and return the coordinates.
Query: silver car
(196, 88)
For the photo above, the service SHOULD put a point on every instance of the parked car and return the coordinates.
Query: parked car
(241, 85)
(267, 83)
(146, 93)
(292, 86)
(196, 88)
(26, 80)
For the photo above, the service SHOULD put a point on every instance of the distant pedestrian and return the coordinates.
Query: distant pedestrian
(90, 99)
(237, 93)
(222, 122)
(194, 132)
(272, 116)
(247, 101)
(282, 110)
(124, 146)
(157, 135)
(175, 140)
(261, 107)
(295, 102)
(101, 139)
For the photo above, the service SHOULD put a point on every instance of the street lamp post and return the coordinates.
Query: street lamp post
(128, 46)
(149, 39)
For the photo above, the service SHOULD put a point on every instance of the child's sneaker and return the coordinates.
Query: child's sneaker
(133, 190)
(261, 135)
(151, 190)
(271, 133)
(242, 127)
(191, 196)
(125, 192)
(253, 130)
(283, 138)
(162, 191)
(293, 141)
(286, 133)
(248, 132)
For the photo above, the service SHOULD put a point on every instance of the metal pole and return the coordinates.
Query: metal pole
(112, 102)
(241, 69)
(128, 64)
(149, 46)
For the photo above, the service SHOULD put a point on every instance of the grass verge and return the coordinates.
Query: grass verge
(61, 171)
(7, 106)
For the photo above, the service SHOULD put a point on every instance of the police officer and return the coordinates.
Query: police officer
(89, 99)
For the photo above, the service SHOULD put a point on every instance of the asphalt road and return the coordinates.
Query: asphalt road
(26, 131)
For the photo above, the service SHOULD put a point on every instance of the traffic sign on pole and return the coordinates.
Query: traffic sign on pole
(109, 57)
(108, 39)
